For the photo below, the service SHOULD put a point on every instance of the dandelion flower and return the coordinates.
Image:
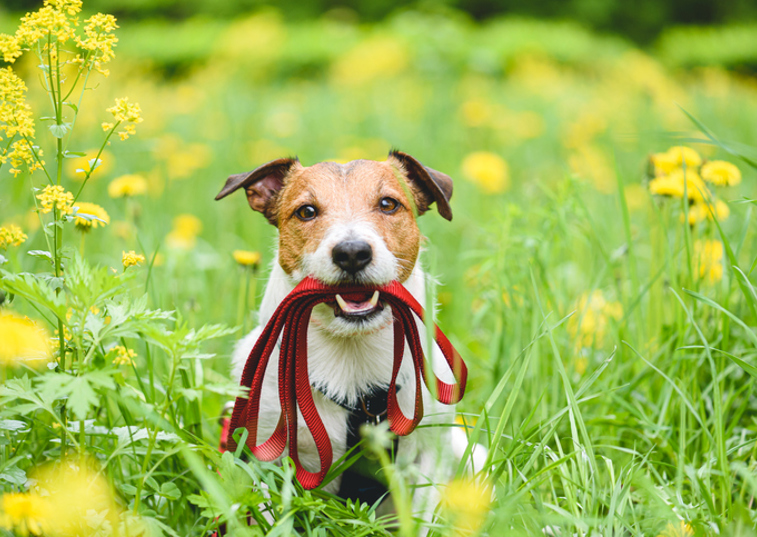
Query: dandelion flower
(681, 155)
(673, 185)
(721, 173)
(183, 236)
(131, 258)
(681, 529)
(74, 494)
(466, 503)
(246, 258)
(700, 211)
(127, 186)
(708, 255)
(122, 355)
(11, 235)
(23, 341)
(488, 170)
(588, 325)
(98, 216)
(24, 513)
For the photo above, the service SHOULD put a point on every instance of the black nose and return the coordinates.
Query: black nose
(352, 256)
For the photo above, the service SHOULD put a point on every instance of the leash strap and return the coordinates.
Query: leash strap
(292, 318)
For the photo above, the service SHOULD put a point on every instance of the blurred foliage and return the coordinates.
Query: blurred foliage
(641, 21)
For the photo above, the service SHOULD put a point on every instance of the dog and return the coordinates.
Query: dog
(353, 223)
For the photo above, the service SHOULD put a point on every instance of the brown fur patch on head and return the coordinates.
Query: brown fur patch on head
(343, 193)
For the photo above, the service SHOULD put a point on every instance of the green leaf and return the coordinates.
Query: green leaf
(170, 491)
(42, 254)
(59, 130)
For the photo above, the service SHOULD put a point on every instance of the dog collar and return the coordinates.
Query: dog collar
(292, 317)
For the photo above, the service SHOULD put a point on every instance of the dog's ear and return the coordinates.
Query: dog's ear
(433, 186)
(262, 185)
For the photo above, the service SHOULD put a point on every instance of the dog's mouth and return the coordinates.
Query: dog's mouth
(357, 308)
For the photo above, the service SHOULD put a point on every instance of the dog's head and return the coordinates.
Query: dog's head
(346, 223)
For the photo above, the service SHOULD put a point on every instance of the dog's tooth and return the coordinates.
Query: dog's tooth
(341, 302)
(374, 299)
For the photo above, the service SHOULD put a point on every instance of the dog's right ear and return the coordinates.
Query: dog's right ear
(262, 186)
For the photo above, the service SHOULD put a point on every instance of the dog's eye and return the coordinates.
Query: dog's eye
(306, 212)
(388, 205)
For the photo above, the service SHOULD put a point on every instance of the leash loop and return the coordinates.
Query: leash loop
(290, 321)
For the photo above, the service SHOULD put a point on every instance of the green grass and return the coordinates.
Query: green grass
(651, 422)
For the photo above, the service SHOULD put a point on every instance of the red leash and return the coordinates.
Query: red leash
(293, 316)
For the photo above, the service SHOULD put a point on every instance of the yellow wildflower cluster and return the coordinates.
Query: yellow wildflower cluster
(708, 259)
(183, 236)
(11, 235)
(55, 197)
(16, 121)
(588, 325)
(127, 186)
(466, 504)
(680, 168)
(100, 216)
(124, 112)
(63, 501)
(23, 341)
(487, 170)
(246, 258)
(99, 38)
(122, 355)
(131, 258)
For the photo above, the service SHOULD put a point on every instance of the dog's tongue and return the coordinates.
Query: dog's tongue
(351, 304)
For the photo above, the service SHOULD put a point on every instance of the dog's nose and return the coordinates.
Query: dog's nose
(352, 256)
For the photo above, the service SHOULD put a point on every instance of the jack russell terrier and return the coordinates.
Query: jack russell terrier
(348, 224)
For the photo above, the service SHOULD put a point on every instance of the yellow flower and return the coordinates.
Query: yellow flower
(10, 48)
(680, 529)
(488, 170)
(24, 513)
(16, 120)
(123, 356)
(99, 39)
(22, 341)
(466, 504)
(127, 186)
(55, 197)
(675, 158)
(183, 236)
(101, 217)
(673, 185)
(131, 258)
(47, 23)
(74, 494)
(721, 173)
(125, 112)
(246, 258)
(699, 212)
(708, 257)
(11, 236)
(591, 319)
(378, 57)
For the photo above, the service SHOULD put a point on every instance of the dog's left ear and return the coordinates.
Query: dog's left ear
(434, 186)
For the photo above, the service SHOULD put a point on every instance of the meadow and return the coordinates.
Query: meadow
(598, 276)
